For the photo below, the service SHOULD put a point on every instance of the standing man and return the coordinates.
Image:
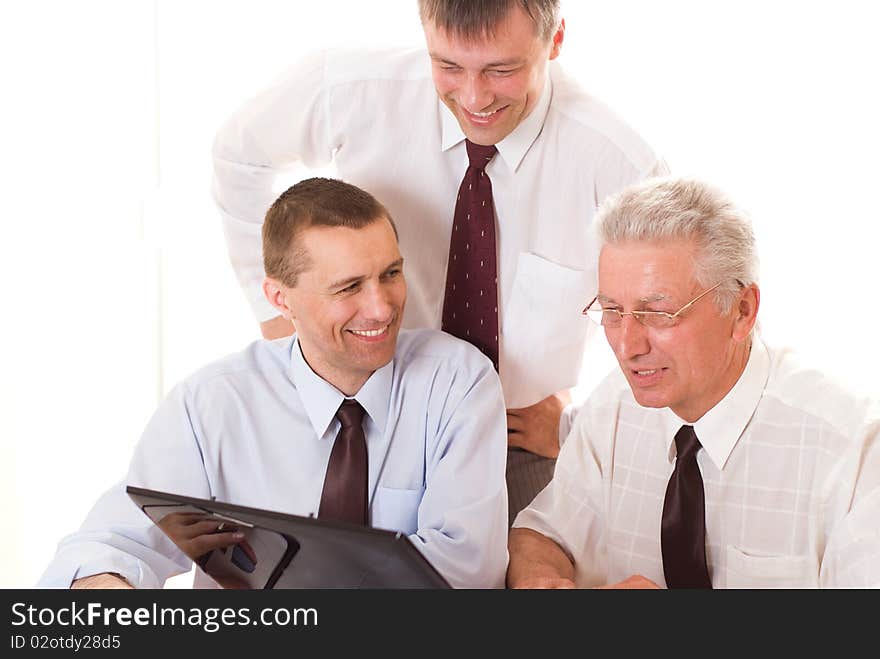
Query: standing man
(351, 419)
(493, 162)
(709, 460)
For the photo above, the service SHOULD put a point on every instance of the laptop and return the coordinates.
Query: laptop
(292, 551)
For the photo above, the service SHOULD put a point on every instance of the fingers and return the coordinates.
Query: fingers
(181, 529)
(180, 521)
(633, 582)
(543, 583)
(197, 535)
(248, 550)
(208, 542)
(516, 440)
(208, 526)
(515, 423)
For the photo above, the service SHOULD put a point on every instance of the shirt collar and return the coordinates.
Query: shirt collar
(720, 428)
(512, 148)
(321, 399)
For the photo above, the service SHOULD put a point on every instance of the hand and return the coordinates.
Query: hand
(536, 561)
(103, 580)
(536, 428)
(197, 535)
(276, 328)
(634, 582)
(554, 583)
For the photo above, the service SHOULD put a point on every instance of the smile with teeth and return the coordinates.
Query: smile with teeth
(481, 117)
(650, 372)
(375, 332)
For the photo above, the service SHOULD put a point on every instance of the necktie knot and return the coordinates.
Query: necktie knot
(350, 413)
(686, 442)
(479, 155)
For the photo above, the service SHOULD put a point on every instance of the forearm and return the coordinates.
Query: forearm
(121, 548)
(536, 561)
(283, 130)
(103, 580)
(463, 513)
(116, 536)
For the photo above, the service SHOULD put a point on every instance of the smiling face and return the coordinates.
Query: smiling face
(347, 305)
(689, 367)
(491, 84)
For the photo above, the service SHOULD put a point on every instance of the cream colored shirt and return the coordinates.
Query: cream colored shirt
(791, 472)
(377, 118)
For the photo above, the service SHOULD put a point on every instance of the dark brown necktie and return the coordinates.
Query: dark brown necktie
(344, 497)
(683, 528)
(470, 304)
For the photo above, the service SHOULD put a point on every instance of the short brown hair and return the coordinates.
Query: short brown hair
(475, 19)
(313, 202)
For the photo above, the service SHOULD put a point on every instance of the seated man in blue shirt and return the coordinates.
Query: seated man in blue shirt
(257, 428)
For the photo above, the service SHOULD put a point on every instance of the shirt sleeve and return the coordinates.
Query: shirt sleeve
(116, 536)
(852, 553)
(284, 129)
(566, 421)
(462, 518)
(569, 510)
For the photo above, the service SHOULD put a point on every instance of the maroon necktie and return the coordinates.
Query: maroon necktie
(470, 305)
(345, 485)
(683, 528)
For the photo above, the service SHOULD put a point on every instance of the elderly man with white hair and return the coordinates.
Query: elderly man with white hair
(708, 459)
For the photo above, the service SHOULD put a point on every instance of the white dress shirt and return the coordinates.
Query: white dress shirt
(256, 429)
(377, 117)
(791, 471)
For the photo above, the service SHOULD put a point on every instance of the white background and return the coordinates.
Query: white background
(114, 272)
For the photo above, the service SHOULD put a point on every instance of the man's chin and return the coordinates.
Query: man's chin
(377, 356)
(649, 399)
(373, 363)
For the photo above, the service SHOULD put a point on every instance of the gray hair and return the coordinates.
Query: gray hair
(475, 19)
(664, 209)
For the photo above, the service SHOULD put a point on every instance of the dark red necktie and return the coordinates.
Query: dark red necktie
(344, 497)
(683, 528)
(470, 305)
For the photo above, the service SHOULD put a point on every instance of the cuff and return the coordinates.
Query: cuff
(566, 421)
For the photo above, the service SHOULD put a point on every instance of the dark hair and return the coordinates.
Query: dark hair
(314, 202)
(475, 19)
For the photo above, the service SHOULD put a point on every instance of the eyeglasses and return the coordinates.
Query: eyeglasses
(653, 319)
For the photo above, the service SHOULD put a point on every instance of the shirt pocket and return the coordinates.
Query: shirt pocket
(396, 509)
(543, 330)
(748, 570)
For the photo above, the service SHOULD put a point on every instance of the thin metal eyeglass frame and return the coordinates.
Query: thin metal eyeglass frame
(640, 315)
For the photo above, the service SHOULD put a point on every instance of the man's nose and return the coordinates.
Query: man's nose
(632, 339)
(377, 303)
(476, 94)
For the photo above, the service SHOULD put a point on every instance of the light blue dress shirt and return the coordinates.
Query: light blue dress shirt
(256, 429)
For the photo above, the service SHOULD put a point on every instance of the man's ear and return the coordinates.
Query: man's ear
(557, 40)
(746, 311)
(276, 293)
